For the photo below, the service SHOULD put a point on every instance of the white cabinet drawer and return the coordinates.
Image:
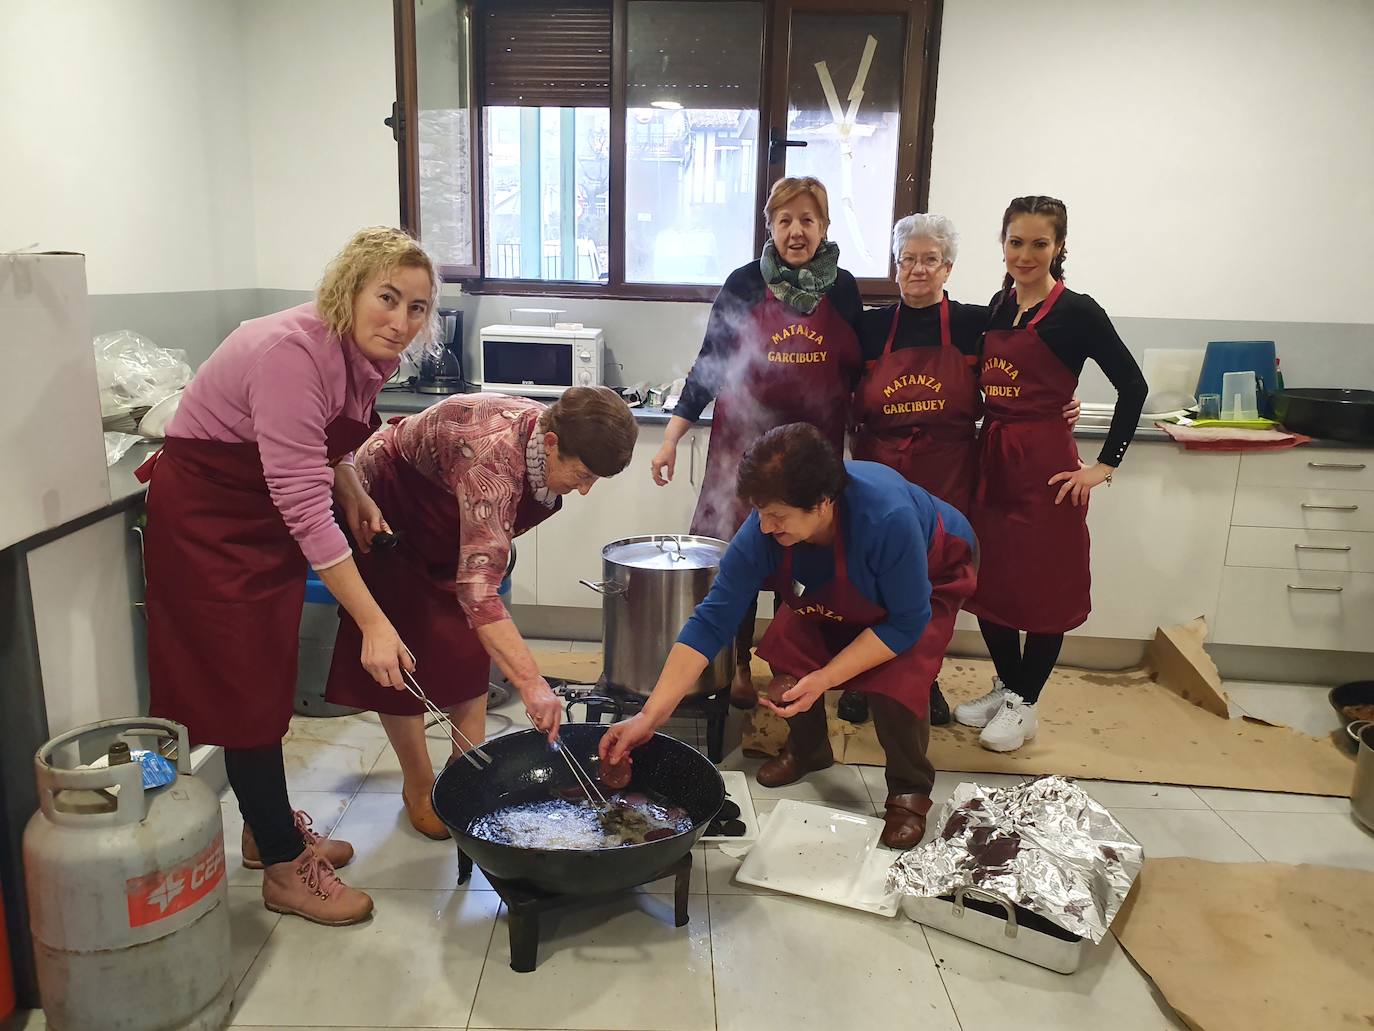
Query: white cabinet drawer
(1271, 547)
(1289, 608)
(1304, 508)
(1327, 468)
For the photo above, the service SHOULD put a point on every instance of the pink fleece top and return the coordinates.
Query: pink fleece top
(279, 381)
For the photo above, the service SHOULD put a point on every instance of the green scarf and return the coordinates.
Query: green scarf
(801, 288)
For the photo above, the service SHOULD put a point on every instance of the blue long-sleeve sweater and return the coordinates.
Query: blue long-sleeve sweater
(887, 523)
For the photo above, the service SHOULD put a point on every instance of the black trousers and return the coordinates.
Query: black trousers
(258, 777)
(1023, 670)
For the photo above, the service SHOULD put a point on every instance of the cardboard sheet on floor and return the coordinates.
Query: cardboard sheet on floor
(578, 667)
(1163, 725)
(1255, 946)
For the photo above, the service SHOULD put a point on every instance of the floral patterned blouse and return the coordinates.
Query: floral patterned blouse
(483, 449)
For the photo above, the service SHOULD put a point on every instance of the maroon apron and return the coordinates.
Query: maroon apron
(807, 632)
(413, 584)
(1035, 569)
(915, 411)
(789, 367)
(226, 585)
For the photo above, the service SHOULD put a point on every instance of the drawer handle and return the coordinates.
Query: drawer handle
(1322, 547)
(1319, 590)
(1332, 508)
(1353, 467)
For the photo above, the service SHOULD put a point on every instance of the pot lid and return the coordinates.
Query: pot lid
(664, 551)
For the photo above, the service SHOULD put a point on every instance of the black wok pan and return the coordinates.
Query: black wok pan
(1336, 413)
(525, 769)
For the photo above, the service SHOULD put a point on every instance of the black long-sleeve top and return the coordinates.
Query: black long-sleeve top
(920, 327)
(1075, 330)
(743, 290)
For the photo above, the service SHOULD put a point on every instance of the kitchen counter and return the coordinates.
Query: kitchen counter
(405, 402)
(124, 489)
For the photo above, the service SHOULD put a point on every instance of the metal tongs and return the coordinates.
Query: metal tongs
(583, 778)
(478, 758)
(471, 752)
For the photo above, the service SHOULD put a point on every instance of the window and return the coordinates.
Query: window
(546, 184)
(691, 139)
(546, 155)
(444, 131)
(844, 101)
(624, 147)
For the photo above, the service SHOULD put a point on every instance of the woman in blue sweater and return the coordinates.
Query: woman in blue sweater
(870, 571)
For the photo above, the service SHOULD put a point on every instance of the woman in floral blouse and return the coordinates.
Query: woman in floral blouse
(456, 483)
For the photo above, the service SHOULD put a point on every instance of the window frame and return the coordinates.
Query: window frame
(911, 188)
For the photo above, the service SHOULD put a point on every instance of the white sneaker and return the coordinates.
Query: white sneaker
(977, 712)
(1014, 725)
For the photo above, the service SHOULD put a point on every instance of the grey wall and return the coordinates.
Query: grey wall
(193, 321)
(657, 341)
(1314, 354)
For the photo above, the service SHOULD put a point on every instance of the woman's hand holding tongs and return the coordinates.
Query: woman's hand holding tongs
(361, 513)
(543, 707)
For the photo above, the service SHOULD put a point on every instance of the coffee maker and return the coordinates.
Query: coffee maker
(441, 366)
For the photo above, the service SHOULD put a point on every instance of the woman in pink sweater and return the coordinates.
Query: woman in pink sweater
(240, 501)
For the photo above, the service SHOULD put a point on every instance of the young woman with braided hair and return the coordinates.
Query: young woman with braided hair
(1031, 506)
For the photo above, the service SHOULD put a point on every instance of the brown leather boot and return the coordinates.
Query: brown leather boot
(339, 853)
(787, 768)
(742, 692)
(423, 817)
(308, 887)
(904, 825)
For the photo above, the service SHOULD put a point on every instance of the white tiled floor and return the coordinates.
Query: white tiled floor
(436, 955)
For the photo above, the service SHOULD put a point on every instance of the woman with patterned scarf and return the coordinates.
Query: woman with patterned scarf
(456, 483)
(781, 347)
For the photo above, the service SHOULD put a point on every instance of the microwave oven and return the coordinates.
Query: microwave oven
(534, 361)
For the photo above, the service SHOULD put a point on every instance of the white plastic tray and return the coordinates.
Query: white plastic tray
(737, 791)
(822, 853)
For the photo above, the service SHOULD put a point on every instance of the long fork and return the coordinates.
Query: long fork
(583, 778)
(472, 753)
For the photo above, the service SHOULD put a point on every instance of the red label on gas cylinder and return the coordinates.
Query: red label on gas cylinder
(156, 896)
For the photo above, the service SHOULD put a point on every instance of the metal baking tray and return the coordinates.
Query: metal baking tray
(991, 919)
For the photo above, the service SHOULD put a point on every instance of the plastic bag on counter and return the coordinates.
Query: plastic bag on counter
(135, 373)
(117, 446)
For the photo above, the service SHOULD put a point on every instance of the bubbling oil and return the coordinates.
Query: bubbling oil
(631, 818)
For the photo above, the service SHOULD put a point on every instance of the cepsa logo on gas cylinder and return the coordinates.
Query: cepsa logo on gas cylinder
(156, 896)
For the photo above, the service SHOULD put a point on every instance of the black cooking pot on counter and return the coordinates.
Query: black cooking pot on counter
(1333, 413)
(525, 769)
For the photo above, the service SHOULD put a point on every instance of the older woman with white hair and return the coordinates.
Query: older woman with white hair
(917, 403)
(241, 500)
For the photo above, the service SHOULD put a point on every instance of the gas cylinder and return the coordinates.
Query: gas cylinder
(128, 898)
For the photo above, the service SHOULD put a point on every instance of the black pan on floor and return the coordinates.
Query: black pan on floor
(1357, 692)
(525, 769)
